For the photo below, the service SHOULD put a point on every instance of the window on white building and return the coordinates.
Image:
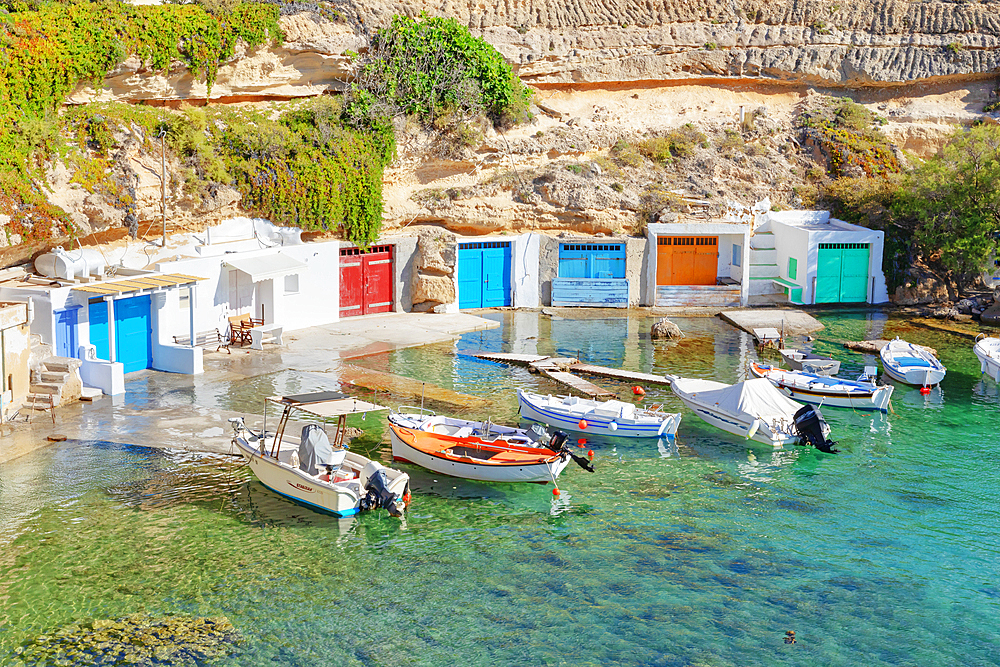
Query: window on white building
(292, 283)
(185, 297)
(737, 254)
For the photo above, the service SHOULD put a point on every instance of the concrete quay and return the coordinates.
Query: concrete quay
(189, 412)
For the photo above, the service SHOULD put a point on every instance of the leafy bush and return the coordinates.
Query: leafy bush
(434, 66)
(679, 143)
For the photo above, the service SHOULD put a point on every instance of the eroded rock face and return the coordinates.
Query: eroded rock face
(433, 280)
(921, 286)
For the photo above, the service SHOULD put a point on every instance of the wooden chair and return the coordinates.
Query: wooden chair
(239, 329)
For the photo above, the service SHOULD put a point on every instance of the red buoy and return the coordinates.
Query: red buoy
(638, 391)
(590, 453)
(555, 492)
(925, 390)
(582, 424)
(582, 442)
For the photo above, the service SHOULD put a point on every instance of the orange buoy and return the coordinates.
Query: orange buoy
(582, 424)
(638, 391)
(582, 442)
(555, 492)
(925, 390)
(590, 453)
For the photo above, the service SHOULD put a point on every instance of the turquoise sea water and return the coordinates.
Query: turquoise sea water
(701, 553)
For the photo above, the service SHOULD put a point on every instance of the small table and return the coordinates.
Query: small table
(257, 335)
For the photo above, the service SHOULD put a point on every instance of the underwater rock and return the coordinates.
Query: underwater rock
(664, 328)
(134, 640)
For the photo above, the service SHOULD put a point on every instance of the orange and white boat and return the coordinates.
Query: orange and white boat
(485, 457)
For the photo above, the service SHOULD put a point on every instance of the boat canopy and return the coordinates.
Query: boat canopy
(756, 397)
(325, 404)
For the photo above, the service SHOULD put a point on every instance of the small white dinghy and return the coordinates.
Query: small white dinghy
(611, 418)
(810, 363)
(822, 390)
(316, 474)
(911, 364)
(754, 409)
(987, 350)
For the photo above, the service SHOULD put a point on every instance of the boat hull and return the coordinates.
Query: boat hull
(987, 351)
(540, 472)
(532, 409)
(737, 425)
(877, 398)
(924, 371)
(341, 499)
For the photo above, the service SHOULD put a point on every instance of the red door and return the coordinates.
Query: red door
(365, 280)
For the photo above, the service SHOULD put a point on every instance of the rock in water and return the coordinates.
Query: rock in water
(664, 328)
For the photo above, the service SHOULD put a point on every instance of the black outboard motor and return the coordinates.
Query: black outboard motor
(377, 494)
(809, 423)
(558, 444)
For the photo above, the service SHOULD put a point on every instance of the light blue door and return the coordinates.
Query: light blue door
(484, 274)
(66, 332)
(98, 313)
(132, 333)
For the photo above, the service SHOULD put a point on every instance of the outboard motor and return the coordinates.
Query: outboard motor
(377, 494)
(558, 443)
(809, 423)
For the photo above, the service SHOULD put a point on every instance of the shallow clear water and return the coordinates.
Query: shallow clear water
(699, 554)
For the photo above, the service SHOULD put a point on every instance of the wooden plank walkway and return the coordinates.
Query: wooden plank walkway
(408, 387)
(577, 384)
(603, 371)
(508, 358)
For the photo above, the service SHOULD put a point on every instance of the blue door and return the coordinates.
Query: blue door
(484, 274)
(132, 333)
(98, 313)
(66, 332)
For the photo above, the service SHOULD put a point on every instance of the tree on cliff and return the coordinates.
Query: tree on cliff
(954, 203)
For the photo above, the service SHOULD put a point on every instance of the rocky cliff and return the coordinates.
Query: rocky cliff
(610, 73)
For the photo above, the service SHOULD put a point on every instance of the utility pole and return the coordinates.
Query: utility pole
(163, 187)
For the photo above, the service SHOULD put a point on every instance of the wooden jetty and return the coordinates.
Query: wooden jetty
(561, 370)
(408, 387)
(615, 374)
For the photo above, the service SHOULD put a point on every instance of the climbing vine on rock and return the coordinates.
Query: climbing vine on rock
(47, 48)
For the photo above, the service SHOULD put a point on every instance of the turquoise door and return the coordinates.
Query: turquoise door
(842, 273)
(98, 313)
(132, 333)
(66, 332)
(484, 274)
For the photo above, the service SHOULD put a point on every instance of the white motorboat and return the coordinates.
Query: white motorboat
(822, 390)
(911, 364)
(611, 418)
(754, 409)
(987, 350)
(808, 362)
(479, 450)
(317, 474)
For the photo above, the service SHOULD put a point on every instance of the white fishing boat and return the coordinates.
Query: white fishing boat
(987, 350)
(479, 450)
(808, 362)
(862, 394)
(754, 409)
(311, 471)
(911, 364)
(611, 418)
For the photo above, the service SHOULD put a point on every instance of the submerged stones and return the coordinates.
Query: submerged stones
(133, 640)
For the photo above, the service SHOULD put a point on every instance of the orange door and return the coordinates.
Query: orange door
(686, 260)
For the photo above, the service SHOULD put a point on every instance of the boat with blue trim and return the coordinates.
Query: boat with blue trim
(310, 470)
(613, 418)
(911, 364)
(987, 350)
(861, 394)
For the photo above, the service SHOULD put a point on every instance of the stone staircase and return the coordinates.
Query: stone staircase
(55, 381)
(764, 267)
